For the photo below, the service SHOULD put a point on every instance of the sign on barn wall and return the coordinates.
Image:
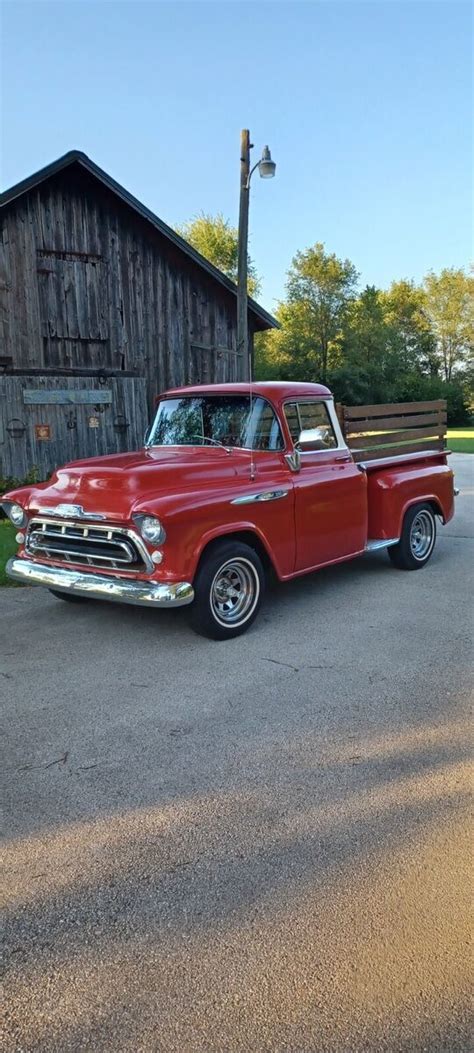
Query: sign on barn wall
(66, 398)
(43, 432)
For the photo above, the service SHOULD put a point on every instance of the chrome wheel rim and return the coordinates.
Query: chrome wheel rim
(422, 535)
(234, 592)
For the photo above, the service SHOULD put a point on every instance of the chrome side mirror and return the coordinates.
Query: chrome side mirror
(314, 438)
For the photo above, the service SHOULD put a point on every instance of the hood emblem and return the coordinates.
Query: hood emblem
(71, 512)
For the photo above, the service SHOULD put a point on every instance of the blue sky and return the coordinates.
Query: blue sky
(366, 107)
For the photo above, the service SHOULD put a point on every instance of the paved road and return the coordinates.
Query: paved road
(252, 846)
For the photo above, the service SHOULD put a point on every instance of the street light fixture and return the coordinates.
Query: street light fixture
(266, 169)
(266, 166)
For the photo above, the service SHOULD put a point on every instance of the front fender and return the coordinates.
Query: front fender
(20, 496)
(193, 521)
(240, 527)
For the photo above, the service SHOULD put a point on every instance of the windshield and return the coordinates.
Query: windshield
(226, 420)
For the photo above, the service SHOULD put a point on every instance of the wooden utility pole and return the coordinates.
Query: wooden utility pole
(242, 305)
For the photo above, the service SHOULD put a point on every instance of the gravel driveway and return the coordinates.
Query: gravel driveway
(253, 846)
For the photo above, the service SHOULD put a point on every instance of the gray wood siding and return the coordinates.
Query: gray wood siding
(121, 423)
(85, 283)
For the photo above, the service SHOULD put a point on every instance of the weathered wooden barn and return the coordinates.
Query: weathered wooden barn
(102, 305)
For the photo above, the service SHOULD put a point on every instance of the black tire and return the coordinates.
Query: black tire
(69, 597)
(227, 565)
(417, 539)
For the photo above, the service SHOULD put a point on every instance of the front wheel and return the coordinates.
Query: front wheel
(417, 539)
(228, 589)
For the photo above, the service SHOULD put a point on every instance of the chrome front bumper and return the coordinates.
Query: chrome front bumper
(101, 586)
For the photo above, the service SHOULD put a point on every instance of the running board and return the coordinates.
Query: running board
(372, 546)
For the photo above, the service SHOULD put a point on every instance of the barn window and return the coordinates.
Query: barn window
(72, 295)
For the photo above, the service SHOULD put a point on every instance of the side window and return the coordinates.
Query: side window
(293, 420)
(265, 427)
(313, 417)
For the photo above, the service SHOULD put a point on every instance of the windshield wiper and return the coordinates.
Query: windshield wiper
(214, 442)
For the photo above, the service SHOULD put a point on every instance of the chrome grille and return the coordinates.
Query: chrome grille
(86, 544)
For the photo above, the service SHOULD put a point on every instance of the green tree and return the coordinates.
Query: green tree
(216, 239)
(448, 305)
(405, 344)
(364, 365)
(412, 341)
(367, 333)
(320, 288)
(292, 349)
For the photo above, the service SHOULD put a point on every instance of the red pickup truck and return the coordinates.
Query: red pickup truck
(233, 481)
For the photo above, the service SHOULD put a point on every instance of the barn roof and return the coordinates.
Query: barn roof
(76, 157)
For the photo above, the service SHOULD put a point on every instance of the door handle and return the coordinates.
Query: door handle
(343, 457)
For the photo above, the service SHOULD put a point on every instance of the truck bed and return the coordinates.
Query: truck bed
(394, 432)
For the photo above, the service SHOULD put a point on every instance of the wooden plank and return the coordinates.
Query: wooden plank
(385, 423)
(362, 442)
(156, 364)
(28, 327)
(357, 412)
(399, 451)
(5, 286)
(79, 283)
(111, 308)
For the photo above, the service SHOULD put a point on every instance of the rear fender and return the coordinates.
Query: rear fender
(392, 491)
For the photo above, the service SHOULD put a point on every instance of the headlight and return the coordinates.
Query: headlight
(151, 529)
(15, 513)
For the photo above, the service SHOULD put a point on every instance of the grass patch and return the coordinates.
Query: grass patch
(8, 547)
(461, 440)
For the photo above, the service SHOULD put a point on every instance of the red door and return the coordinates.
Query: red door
(330, 491)
(331, 508)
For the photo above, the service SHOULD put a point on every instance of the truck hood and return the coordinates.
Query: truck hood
(118, 485)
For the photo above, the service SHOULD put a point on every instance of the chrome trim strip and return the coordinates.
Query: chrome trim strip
(101, 586)
(70, 512)
(264, 495)
(293, 460)
(36, 537)
(75, 555)
(110, 528)
(377, 543)
(382, 462)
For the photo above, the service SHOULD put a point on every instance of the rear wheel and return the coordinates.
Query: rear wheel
(228, 589)
(417, 540)
(68, 596)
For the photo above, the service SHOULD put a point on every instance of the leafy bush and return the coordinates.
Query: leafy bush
(416, 388)
(351, 385)
(355, 386)
(10, 483)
